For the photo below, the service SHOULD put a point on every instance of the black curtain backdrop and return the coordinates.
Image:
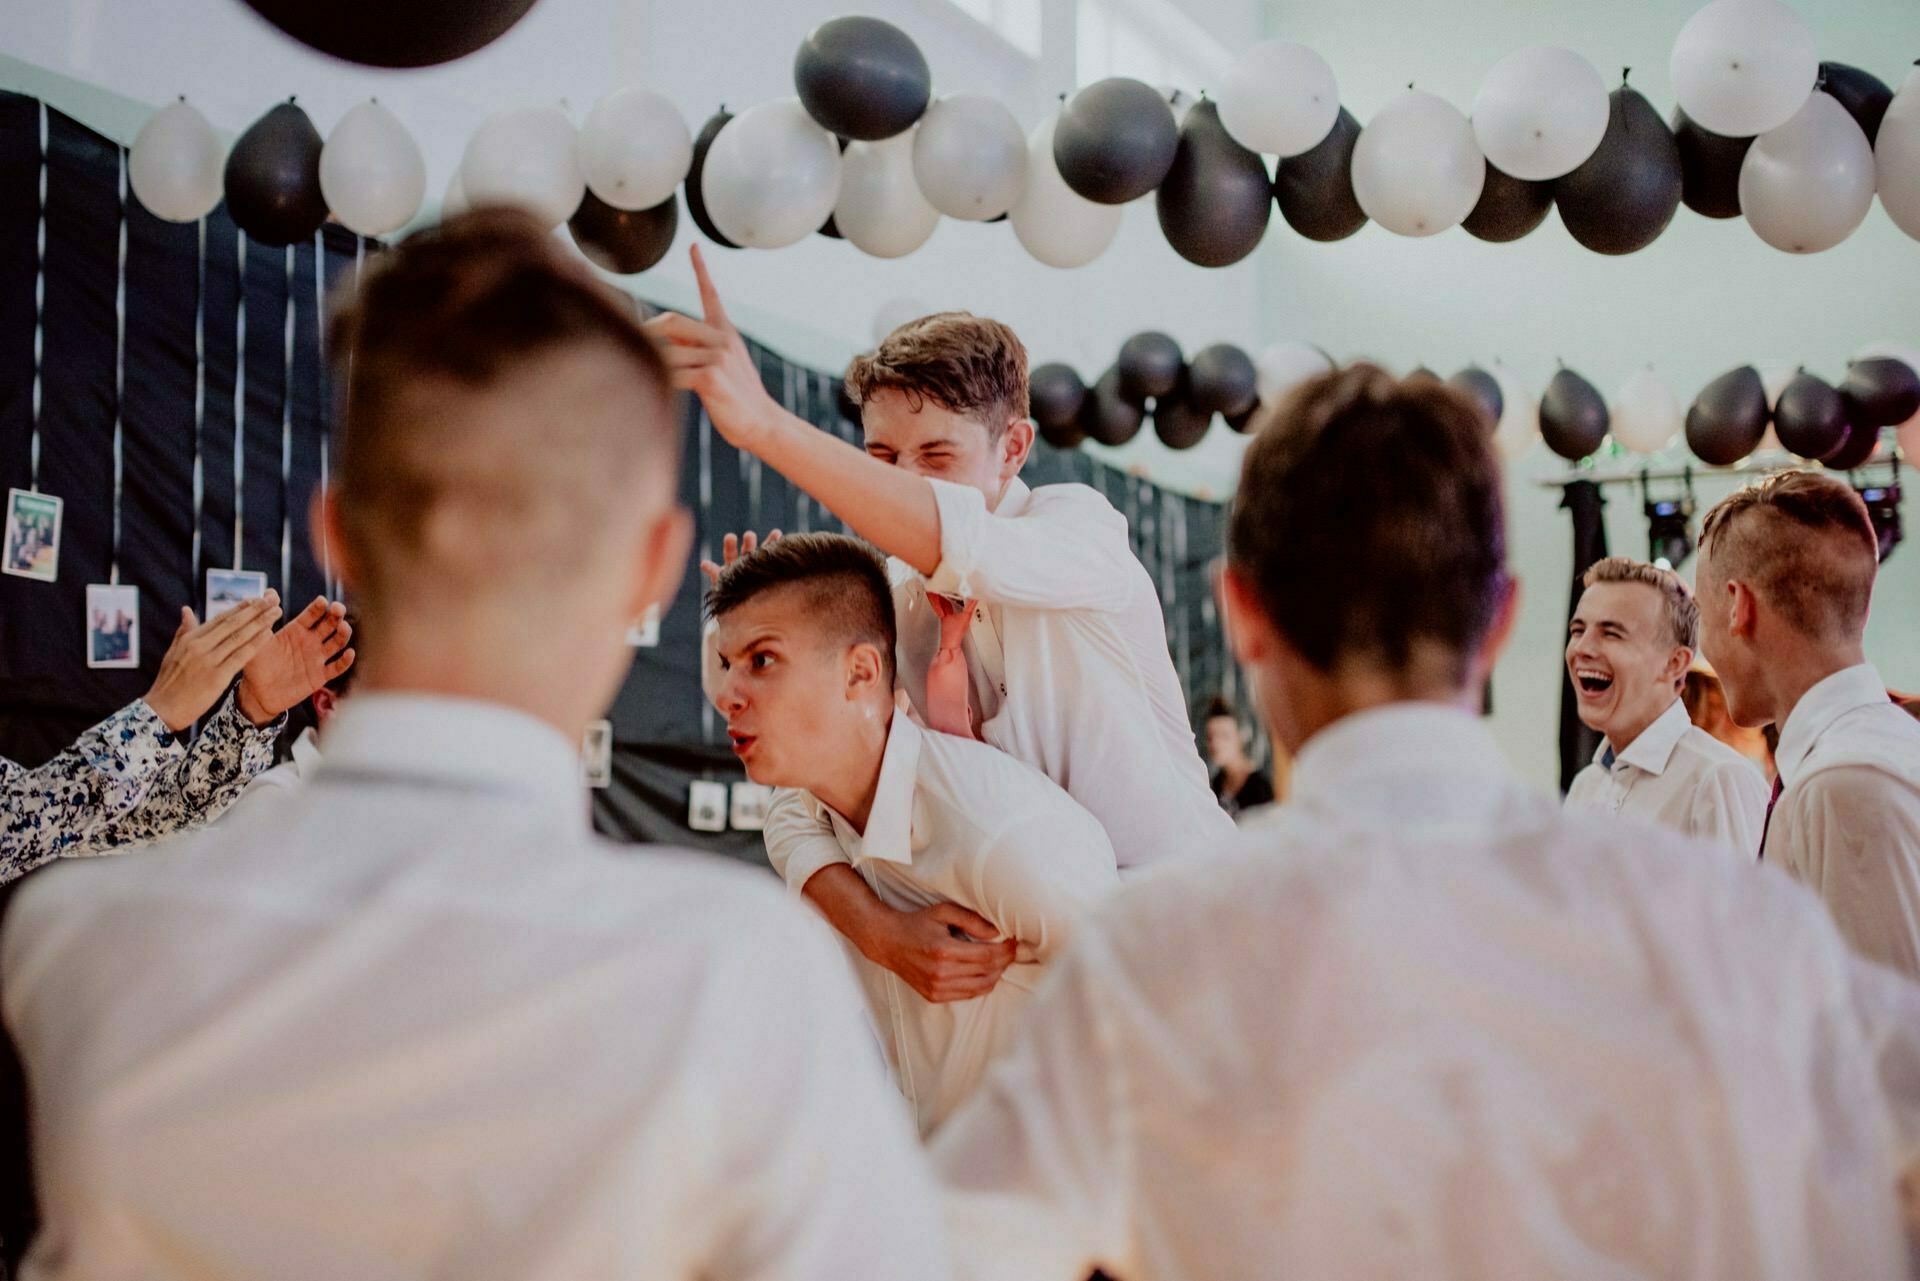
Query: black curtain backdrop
(1585, 504)
(211, 321)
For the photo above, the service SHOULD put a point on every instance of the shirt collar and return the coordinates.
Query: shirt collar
(1400, 757)
(456, 740)
(305, 752)
(890, 821)
(1844, 691)
(1653, 749)
(1015, 500)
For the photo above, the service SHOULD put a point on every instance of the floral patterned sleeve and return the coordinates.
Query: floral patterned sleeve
(127, 779)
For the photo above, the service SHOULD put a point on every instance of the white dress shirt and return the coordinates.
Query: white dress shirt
(1848, 823)
(1068, 663)
(421, 1022)
(1420, 1023)
(955, 821)
(1679, 776)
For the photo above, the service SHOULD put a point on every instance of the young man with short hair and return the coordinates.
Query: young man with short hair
(1787, 567)
(1024, 618)
(1629, 647)
(936, 823)
(1418, 1022)
(420, 1021)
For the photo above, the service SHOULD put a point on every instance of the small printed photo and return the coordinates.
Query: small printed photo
(750, 801)
(32, 547)
(113, 625)
(596, 754)
(228, 588)
(645, 631)
(707, 806)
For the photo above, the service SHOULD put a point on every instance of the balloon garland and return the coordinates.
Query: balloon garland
(864, 152)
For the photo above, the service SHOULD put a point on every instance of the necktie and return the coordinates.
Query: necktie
(1779, 786)
(947, 709)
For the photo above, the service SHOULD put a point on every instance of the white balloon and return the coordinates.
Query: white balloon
(1896, 157)
(895, 313)
(1742, 67)
(1807, 185)
(880, 210)
(970, 156)
(1519, 424)
(528, 157)
(1052, 221)
(634, 149)
(455, 201)
(1540, 113)
(372, 172)
(1416, 169)
(772, 176)
(176, 163)
(1284, 365)
(1645, 416)
(1280, 97)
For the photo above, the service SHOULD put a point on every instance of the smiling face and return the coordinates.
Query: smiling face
(931, 440)
(1622, 657)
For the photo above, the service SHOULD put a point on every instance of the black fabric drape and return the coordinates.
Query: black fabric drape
(1587, 506)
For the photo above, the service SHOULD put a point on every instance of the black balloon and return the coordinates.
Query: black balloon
(1150, 365)
(1243, 423)
(1859, 445)
(1625, 194)
(1709, 167)
(1221, 379)
(1508, 208)
(1054, 395)
(1315, 188)
(1810, 418)
(1728, 418)
(862, 78)
(1178, 422)
(1107, 418)
(1484, 390)
(1115, 140)
(378, 33)
(1573, 416)
(696, 203)
(1881, 392)
(830, 229)
(1215, 201)
(273, 178)
(1864, 95)
(1065, 436)
(624, 241)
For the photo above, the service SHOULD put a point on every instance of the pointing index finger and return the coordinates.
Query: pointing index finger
(710, 307)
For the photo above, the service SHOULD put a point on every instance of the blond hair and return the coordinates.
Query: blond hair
(1681, 610)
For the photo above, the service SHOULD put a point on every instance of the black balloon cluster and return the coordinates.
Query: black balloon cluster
(1151, 378)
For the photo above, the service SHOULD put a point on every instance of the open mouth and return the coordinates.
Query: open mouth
(741, 742)
(1592, 681)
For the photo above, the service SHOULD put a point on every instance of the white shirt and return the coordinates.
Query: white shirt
(1679, 776)
(1419, 1023)
(1069, 669)
(955, 821)
(419, 1021)
(1848, 823)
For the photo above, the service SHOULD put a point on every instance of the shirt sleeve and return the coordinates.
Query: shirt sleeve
(1064, 552)
(1042, 877)
(1858, 846)
(1729, 806)
(1037, 1165)
(201, 784)
(799, 843)
(69, 804)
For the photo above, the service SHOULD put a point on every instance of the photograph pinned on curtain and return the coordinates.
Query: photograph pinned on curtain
(707, 806)
(749, 811)
(228, 589)
(596, 754)
(32, 548)
(645, 631)
(113, 625)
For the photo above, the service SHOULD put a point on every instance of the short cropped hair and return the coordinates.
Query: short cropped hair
(1369, 522)
(1806, 543)
(843, 587)
(964, 363)
(455, 310)
(1681, 610)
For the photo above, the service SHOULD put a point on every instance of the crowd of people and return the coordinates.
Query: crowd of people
(1031, 1004)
